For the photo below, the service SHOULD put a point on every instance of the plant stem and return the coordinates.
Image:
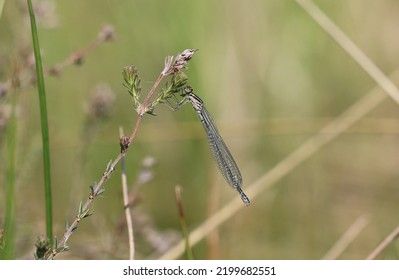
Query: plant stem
(9, 226)
(44, 124)
(384, 244)
(129, 222)
(143, 108)
(108, 172)
(152, 91)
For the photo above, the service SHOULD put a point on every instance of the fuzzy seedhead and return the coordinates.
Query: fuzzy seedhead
(100, 103)
(42, 247)
(107, 33)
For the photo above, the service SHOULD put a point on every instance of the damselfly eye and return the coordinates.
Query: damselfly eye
(187, 90)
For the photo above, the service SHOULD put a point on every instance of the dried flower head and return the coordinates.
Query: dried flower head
(182, 58)
(179, 62)
(107, 33)
(101, 101)
(42, 247)
(124, 142)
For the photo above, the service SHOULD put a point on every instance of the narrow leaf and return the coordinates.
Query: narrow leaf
(80, 207)
(44, 124)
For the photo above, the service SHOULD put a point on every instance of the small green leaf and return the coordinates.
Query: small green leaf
(178, 82)
(100, 191)
(61, 249)
(80, 207)
(85, 213)
(108, 166)
(88, 214)
(92, 187)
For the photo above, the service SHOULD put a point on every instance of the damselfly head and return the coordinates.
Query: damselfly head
(186, 91)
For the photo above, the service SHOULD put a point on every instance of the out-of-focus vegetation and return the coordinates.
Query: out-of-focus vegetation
(270, 77)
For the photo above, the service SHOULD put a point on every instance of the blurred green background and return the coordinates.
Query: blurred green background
(270, 77)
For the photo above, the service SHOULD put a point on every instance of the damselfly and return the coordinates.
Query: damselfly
(221, 153)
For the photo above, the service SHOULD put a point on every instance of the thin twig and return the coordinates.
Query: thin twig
(125, 192)
(107, 173)
(7, 252)
(107, 33)
(350, 47)
(331, 131)
(384, 244)
(151, 93)
(347, 238)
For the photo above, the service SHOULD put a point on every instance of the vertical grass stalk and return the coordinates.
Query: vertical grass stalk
(125, 192)
(9, 227)
(44, 124)
(183, 225)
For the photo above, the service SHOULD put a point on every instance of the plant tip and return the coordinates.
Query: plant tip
(107, 33)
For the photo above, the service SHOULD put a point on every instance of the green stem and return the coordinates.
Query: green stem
(44, 124)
